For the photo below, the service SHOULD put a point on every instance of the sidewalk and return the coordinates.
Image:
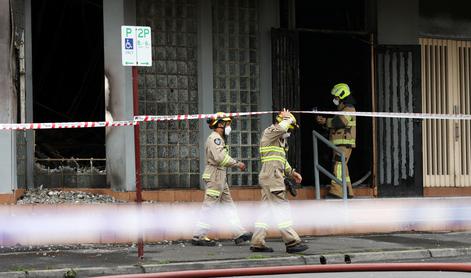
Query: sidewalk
(96, 260)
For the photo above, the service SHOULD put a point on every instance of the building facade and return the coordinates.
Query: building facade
(243, 56)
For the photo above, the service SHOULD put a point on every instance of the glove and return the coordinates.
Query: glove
(291, 186)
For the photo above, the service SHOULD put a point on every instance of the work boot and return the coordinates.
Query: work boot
(296, 248)
(265, 249)
(203, 241)
(243, 238)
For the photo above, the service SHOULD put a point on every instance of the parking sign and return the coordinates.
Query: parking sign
(136, 46)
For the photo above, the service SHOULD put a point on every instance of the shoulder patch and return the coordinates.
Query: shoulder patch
(217, 141)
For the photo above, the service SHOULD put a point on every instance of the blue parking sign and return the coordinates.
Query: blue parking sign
(128, 43)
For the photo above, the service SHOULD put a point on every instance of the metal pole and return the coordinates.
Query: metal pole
(137, 150)
(373, 120)
(316, 170)
(136, 136)
(344, 179)
(318, 167)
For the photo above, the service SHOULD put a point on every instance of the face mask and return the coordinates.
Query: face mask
(336, 101)
(286, 135)
(227, 130)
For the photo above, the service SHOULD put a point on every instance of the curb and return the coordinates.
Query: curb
(337, 258)
(391, 255)
(450, 252)
(288, 261)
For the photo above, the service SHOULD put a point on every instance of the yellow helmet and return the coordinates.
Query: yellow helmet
(341, 90)
(294, 123)
(218, 118)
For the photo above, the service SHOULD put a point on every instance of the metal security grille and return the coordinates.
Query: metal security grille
(446, 89)
(170, 150)
(285, 80)
(464, 87)
(236, 78)
(70, 172)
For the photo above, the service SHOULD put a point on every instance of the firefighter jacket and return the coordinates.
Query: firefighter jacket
(273, 157)
(342, 128)
(217, 159)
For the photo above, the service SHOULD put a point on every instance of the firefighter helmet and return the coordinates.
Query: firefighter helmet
(219, 117)
(341, 90)
(293, 124)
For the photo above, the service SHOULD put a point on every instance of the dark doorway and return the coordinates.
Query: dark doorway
(68, 76)
(325, 60)
(333, 48)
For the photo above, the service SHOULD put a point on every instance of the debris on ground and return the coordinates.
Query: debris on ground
(49, 196)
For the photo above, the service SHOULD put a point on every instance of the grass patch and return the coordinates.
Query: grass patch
(20, 268)
(164, 262)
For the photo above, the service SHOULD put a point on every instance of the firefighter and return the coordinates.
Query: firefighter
(274, 204)
(217, 190)
(342, 129)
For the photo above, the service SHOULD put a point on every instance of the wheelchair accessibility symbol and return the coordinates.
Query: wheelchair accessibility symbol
(128, 43)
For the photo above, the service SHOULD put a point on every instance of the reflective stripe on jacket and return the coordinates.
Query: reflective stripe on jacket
(343, 128)
(273, 157)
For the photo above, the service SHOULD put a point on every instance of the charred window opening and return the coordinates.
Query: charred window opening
(68, 78)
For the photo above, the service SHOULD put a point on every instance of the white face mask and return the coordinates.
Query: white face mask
(286, 135)
(227, 130)
(336, 101)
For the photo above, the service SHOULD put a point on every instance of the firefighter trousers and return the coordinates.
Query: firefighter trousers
(336, 188)
(274, 209)
(217, 199)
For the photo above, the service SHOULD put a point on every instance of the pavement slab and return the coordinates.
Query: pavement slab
(95, 260)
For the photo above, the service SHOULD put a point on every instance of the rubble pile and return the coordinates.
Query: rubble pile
(48, 196)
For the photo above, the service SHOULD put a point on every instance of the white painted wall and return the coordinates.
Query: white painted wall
(119, 140)
(7, 104)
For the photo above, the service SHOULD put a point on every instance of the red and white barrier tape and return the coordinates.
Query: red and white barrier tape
(65, 125)
(155, 118)
(149, 118)
(397, 115)
(400, 115)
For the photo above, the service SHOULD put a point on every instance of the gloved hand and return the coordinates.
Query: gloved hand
(321, 120)
(241, 166)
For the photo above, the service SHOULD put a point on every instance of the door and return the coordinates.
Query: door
(446, 89)
(399, 149)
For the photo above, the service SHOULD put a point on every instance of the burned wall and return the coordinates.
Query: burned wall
(450, 19)
(18, 8)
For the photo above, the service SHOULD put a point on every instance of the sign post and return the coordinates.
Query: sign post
(136, 50)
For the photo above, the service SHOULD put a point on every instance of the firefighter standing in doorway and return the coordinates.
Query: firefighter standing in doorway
(275, 168)
(217, 190)
(342, 133)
